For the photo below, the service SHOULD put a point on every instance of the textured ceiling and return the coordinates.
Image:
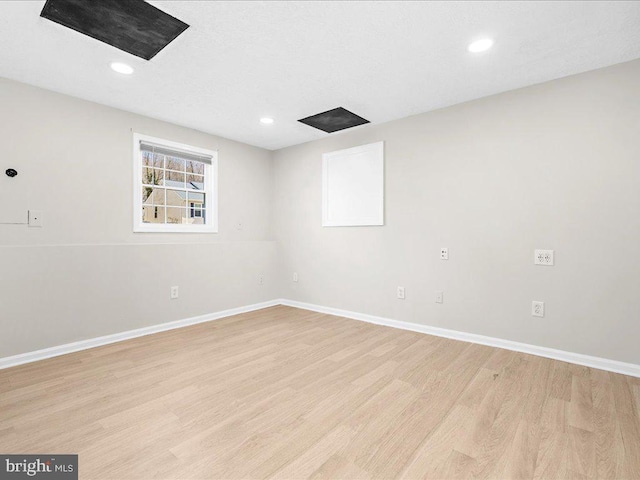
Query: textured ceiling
(240, 61)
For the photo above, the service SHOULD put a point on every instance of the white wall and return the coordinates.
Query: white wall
(86, 273)
(553, 166)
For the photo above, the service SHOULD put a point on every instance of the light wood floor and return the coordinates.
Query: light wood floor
(286, 393)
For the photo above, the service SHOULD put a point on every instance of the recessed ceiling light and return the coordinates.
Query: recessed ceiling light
(481, 45)
(121, 68)
(266, 120)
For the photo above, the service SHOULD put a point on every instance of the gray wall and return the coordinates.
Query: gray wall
(86, 274)
(553, 166)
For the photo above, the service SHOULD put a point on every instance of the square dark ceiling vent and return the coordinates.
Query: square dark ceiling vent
(334, 120)
(130, 25)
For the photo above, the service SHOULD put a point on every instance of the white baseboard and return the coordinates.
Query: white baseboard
(577, 358)
(118, 337)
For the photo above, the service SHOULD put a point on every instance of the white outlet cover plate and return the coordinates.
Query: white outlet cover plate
(444, 253)
(401, 293)
(537, 309)
(543, 257)
(35, 218)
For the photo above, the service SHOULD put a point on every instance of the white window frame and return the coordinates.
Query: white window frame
(210, 189)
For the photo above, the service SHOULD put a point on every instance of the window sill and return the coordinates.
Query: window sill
(175, 229)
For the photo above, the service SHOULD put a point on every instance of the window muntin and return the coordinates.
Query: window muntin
(175, 187)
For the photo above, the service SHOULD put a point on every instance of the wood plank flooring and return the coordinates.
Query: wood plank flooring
(283, 393)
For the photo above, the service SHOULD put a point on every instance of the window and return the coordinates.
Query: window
(197, 211)
(175, 187)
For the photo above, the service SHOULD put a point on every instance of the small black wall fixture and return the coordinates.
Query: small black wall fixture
(134, 26)
(11, 172)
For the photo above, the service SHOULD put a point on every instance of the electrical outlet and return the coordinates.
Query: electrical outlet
(537, 309)
(444, 253)
(543, 257)
(260, 279)
(295, 276)
(174, 293)
(439, 297)
(400, 293)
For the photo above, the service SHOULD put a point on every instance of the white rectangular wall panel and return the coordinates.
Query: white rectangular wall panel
(353, 186)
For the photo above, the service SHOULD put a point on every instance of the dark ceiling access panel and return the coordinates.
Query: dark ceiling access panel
(334, 120)
(133, 26)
